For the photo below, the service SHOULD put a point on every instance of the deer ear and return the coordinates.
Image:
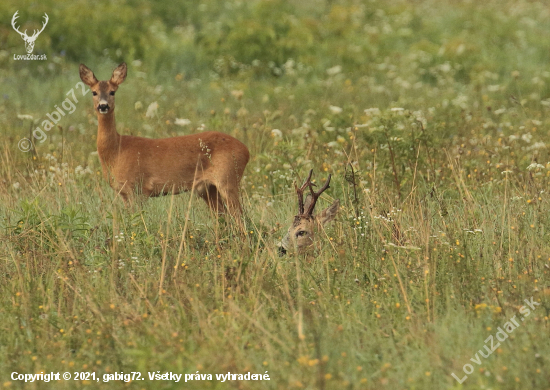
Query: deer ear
(119, 74)
(328, 214)
(87, 76)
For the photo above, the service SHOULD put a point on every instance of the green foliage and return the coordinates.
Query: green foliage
(432, 118)
(41, 233)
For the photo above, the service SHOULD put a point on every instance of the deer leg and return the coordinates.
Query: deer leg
(133, 195)
(233, 204)
(212, 197)
(132, 200)
(126, 199)
(231, 197)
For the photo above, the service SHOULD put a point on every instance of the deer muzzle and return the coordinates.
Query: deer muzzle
(283, 246)
(103, 108)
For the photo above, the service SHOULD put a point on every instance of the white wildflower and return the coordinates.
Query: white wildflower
(461, 101)
(289, 67)
(527, 137)
(372, 111)
(152, 110)
(335, 109)
(276, 133)
(537, 145)
(534, 166)
(327, 127)
(334, 70)
(446, 67)
(182, 122)
(24, 116)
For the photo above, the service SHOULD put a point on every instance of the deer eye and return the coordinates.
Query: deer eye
(301, 233)
(112, 93)
(94, 93)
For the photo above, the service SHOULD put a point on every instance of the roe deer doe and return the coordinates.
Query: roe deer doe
(301, 234)
(210, 163)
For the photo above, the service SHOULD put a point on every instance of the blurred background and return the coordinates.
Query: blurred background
(307, 69)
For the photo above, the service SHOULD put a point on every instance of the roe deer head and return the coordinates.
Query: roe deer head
(301, 234)
(211, 164)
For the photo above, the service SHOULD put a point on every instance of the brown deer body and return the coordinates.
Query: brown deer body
(210, 163)
(301, 234)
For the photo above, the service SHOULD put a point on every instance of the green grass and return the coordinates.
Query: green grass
(438, 243)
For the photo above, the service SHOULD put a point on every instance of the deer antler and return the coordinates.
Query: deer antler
(43, 26)
(315, 195)
(300, 192)
(15, 16)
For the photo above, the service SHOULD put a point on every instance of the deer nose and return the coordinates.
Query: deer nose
(103, 108)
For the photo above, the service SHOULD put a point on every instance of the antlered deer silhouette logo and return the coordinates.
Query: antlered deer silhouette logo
(29, 41)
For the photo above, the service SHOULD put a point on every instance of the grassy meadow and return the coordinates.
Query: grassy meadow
(431, 116)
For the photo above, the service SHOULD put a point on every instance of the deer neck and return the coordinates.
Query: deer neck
(108, 139)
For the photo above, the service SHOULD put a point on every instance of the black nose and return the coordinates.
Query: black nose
(282, 251)
(103, 107)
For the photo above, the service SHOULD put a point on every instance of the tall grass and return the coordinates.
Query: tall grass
(432, 118)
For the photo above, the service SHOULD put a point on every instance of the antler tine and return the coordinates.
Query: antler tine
(15, 16)
(315, 196)
(300, 192)
(43, 25)
(308, 180)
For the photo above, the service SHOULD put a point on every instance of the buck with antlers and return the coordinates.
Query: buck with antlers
(29, 41)
(301, 234)
(211, 164)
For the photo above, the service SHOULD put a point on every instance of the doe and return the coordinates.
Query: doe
(210, 164)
